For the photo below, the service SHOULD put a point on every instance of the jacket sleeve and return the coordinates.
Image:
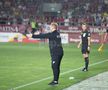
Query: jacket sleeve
(47, 35)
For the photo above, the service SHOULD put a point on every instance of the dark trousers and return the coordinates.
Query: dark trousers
(84, 49)
(56, 60)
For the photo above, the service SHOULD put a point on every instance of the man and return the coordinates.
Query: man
(85, 41)
(56, 50)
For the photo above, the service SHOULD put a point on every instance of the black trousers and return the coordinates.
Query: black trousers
(56, 61)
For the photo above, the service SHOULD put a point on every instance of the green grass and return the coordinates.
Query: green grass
(21, 64)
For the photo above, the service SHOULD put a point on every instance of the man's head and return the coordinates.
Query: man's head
(84, 26)
(53, 26)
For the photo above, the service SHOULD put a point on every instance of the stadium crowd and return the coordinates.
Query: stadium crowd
(72, 13)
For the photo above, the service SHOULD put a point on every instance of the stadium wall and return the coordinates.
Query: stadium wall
(14, 33)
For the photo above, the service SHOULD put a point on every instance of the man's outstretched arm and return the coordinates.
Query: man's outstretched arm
(47, 35)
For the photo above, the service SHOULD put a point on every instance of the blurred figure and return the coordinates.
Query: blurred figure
(85, 49)
(56, 50)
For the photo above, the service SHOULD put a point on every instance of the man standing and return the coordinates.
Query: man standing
(56, 50)
(85, 41)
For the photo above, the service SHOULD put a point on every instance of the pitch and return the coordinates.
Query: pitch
(27, 66)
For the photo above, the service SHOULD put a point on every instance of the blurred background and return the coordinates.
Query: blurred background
(16, 17)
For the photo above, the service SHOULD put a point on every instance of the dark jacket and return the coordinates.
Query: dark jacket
(54, 42)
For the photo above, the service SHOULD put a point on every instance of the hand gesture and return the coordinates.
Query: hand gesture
(88, 48)
(78, 46)
(37, 33)
(29, 35)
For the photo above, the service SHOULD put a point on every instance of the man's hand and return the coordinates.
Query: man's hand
(37, 33)
(29, 35)
(88, 48)
(78, 46)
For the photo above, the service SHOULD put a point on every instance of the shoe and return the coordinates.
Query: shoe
(84, 69)
(53, 83)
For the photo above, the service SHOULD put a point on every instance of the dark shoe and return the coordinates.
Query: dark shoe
(84, 69)
(53, 83)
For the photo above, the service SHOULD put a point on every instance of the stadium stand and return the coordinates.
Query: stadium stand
(16, 11)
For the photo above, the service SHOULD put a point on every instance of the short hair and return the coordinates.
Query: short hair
(55, 24)
(84, 23)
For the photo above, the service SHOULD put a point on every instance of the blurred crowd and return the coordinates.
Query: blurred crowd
(72, 13)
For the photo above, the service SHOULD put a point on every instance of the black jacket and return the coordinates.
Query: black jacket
(54, 41)
(84, 37)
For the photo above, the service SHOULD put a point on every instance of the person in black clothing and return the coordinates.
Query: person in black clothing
(85, 41)
(56, 50)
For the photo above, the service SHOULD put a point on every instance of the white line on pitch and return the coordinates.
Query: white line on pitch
(21, 86)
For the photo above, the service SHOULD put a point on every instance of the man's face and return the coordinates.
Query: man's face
(52, 27)
(84, 27)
